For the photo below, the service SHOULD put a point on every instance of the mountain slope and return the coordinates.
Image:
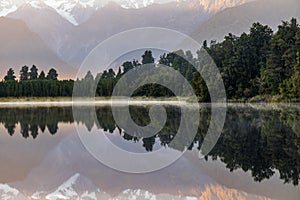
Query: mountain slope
(75, 11)
(78, 11)
(75, 187)
(20, 46)
(113, 19)
(54, 20)
(44, 21)
(239, 19)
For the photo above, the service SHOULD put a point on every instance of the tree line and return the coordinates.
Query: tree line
(259, 65)
(34, 84)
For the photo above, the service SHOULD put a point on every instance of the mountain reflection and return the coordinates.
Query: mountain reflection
(256, 139)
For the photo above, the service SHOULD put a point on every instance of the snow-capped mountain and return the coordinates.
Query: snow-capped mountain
(76, 187)
(214, 6)
(8, 192)
(134, 3)
(70, 189)
(78, 11)
(64, 23)
(208, 5)
(44, 21)
(75, 11)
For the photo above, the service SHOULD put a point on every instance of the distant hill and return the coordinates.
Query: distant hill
(20, 46)
(238, 19)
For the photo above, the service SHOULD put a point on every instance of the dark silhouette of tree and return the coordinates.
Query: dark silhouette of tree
(34, 130)
(119, 74)
(127, 66)
(89, 76)
(147, 57)
(33, 74)
(52, 128)
(52, 74)
(24, 130)
(10, 128)
(42, 75)
(24, 74)
(10, 76)
(148, 143)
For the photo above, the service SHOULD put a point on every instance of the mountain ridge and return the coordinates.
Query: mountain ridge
(78, 11)
(26, 49)
(75, 188)
(239, 19)
(73, 43)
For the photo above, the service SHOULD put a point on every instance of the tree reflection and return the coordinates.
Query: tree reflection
(258, 140)
(34, 120)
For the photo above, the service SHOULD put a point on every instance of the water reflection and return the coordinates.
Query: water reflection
(35, 120)
(255, 138)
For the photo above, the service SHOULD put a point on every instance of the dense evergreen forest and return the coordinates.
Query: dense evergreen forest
(34, 84)
(259, 66)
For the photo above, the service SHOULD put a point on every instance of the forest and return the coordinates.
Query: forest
(34, 84)
(261, 65)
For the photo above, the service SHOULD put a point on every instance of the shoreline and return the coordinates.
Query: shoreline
(106, 101)
(98, 101)
(88, 103)
(121, 100)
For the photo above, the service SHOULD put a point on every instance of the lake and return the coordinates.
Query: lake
(257, 155)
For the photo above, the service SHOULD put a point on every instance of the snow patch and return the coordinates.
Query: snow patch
(147, 2)
(5, 11)
(7, 192)
(91, 195)
(63, 8)
(134, 3)
(190, 198)
(37, 195)
(35, 4)
(138, 194)
(89, 3)
(65, 191)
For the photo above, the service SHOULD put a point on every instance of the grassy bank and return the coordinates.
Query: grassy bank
(61, 99)
(34, 99)
(272, 99)
(256, 99)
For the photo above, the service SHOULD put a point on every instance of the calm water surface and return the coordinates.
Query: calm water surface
(256, 157)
